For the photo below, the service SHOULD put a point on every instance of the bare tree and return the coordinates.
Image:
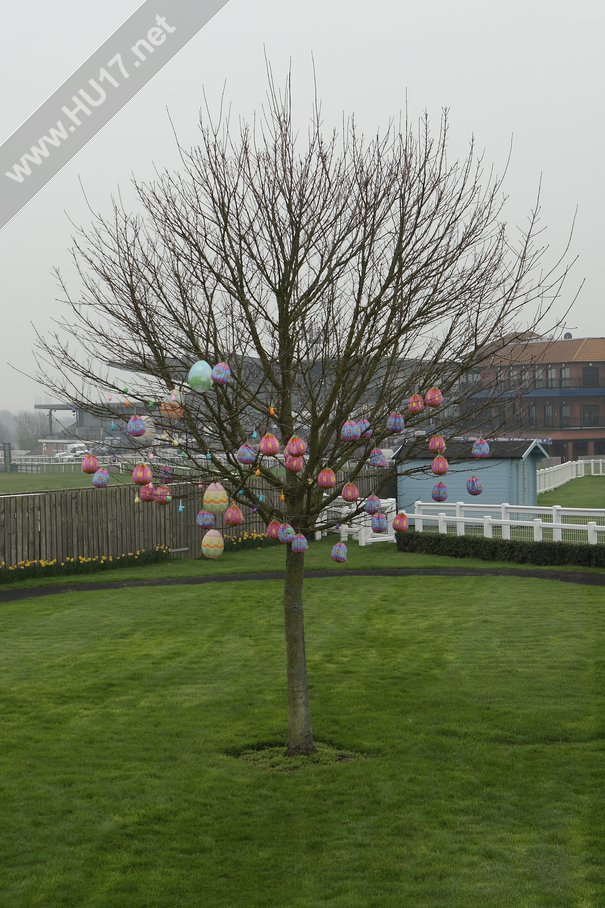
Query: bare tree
(29, 427)
(335, 274)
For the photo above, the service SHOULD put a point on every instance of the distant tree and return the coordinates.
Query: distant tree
(335, 274)
(29, 427)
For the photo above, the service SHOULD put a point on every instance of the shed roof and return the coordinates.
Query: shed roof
(460, 449)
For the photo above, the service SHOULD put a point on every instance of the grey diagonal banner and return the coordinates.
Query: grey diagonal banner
(88, 100)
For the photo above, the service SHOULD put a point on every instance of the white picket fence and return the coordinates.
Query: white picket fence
(359, 528)
(552, 477)
(508, 521)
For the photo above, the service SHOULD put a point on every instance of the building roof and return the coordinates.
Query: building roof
(459, 449)
(573, 350)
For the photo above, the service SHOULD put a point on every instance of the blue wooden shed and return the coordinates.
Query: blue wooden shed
(507, 475)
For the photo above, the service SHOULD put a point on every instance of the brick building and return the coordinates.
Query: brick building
(548, 389)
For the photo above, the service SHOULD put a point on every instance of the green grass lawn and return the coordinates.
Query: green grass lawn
(477, 704)
(13, 483)
(588, 492)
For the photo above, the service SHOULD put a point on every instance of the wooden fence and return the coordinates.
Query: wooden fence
(96, 522)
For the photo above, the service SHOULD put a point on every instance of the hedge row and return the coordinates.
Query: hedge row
(502, 549)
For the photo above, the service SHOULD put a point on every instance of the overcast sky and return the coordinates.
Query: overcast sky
(528, 69)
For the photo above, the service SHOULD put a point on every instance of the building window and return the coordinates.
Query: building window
(548, 416)
(565, 416)
(532, 416)
(539, 376)
(551, 377)
(590, 415)
(590, 377)
(565, 377)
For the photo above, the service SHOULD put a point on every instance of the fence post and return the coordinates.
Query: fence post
(459, 518)
(418, 516)
(592, 532)
(442, 522)
(488, 530)
(504, 516)
(556, 518)
(537, 530)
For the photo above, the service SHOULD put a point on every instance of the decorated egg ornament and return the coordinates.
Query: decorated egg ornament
(416, 403)
(199, 377)
(233, 516)
(439, 492)
(204, 519)
(101, 478)
(350, 492)
(433, 397)
(473, 486)
(365, 427)
(142, 474)
(296, 446)
(439, 465)
(326, 478)
(136, 426)
(147, 493)
(401, 522)
(395, 422)
(273, 529)
(220, 374)
(215, 498)
(379, 523)
(90, 464)
(213, 544)
(299, 544)
(377, 458)
(286, 533)
(269, 445)
(246, 454)
(339, 552)
(351, 431)
(480, 448)
(294, 464)
(437, 444)
(162, 495)
(372, 504)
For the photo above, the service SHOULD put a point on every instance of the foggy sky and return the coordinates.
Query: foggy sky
(530, 71)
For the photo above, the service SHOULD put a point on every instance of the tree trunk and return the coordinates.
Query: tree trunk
(300, 735)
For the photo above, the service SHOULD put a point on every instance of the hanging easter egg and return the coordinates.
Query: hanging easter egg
(401, 522)
(90, 464)
(269, 445)
(480, 448)
(147, 493)
(171, 409)
(213, 544)
(299, 544)
(246, 454)
(255, 436)
(296, 446)
(204, 519)
(377, 458)
(437, 444)
(181, 507)
(135, 426)
(395, 422)
(286, 533)
(364, 427)
(101, 478)
(474, 486)
(350, 492)
(220, 374)
(294, 464)
(233, 516)
(351, 431)
(142, 474)
(273, 529)
(215, 498)
(415, 403)
(162, 495)
(113, 427)
(379, 523)
(433, 397)
(199, 377)
(166, 473)
(439, 465)
(372, 503)
(339, 552)
(439, 492)
(326, 478)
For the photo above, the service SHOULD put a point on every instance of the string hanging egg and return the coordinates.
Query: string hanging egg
(296, 446)
(199, 377)
(339, 552)
(439, 465)
(379, 523)
(90, 464)
(286, 533)
(401, 522)
(147, 493)
(246, 454)
(351, 431)
(294, 464)
(136, 426)
(395, 422)
(205, 519)
(439, 492)
(233, 516)
(101, 478)
(269, 445)
(215, 498)
(437, 444)
(480, 448)
(326, 478)
(220, 374)
(372, 503)
(474, 486)
(299, 544)
(142, 474)
(364, 427)
(350, 492)
(162, 495)
(415, 403)
(273, 529)
(433, 397)
(377, 458)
